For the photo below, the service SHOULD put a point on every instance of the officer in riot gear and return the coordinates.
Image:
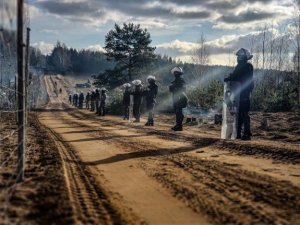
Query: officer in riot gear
(80, 100)
(97, 100)
(178, 89)
(70, 99)
(93, 101)
(87, 100)
(75, 97)
(102, 102)
(137, 99)
(126, 100)
(151, 93)
(243, 73)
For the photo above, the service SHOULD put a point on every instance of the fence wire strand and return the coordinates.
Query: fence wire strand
(8, 98)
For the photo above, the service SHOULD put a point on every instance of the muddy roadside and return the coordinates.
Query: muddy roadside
(43, 197)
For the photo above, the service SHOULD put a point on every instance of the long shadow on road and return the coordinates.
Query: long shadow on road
(104, 138)
(149, 153)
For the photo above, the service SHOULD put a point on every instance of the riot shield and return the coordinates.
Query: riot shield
(230, 109)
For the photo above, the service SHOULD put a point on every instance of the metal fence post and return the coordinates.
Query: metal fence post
(21, 93)
(27, 69)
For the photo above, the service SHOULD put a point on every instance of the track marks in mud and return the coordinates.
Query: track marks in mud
(287, 154)
(92, 203)
(226, 193)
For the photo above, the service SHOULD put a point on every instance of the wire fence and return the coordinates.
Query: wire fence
(14, 49)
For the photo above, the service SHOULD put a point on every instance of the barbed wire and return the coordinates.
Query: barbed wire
(8, 96)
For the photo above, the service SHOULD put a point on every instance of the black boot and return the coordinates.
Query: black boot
(177, 128)
(246, 137)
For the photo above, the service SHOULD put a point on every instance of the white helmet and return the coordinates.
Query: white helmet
(126, 85)
(150, 77)
(244, 53)
(136, 82)
(177, 69)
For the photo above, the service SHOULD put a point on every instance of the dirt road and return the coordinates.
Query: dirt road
(122, 173)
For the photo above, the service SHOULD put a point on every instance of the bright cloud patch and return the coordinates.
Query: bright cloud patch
(97, 48)
(45, 48)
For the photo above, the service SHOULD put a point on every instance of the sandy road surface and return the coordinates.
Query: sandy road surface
(121, 173)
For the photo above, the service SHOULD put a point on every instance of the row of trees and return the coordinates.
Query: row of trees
(64, 60)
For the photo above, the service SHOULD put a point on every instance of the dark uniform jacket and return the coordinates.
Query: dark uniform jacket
(88, 97)
(97, 95)
(177, 88)
(103, 97)
(151, 93)
(81, 97)
(137, 95)
(93, 96)
(243, 73)
(126, 98)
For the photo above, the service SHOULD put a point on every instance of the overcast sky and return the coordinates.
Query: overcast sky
(175, 25)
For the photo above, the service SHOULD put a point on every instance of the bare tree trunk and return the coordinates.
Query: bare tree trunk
(201, 59)
(263, 48)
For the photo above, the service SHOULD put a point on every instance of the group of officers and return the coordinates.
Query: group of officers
(133, 96)
(95, 100)
(243, 73)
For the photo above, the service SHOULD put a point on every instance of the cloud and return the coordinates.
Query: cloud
(176, 47)
(45, 48)
(246, 16)
(224, 14)
(50, 31)
(174, 24)
(71, 8)
(97, 48)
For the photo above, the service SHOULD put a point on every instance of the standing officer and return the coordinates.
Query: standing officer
(97, 100)
(126, 100)
(81, 99)
(93, 101)
(87, 100)
(102, 102)
(243, 73)
(76, 99)
(177, 88)
(151, 93)
(137, 99)
(70, 99)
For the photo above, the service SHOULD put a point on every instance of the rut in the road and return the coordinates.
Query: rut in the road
(90, 202)
(227, 193)
(281, 154)
(224, 191)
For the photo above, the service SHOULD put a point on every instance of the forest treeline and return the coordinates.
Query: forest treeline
(128, 57)
(274, 90)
